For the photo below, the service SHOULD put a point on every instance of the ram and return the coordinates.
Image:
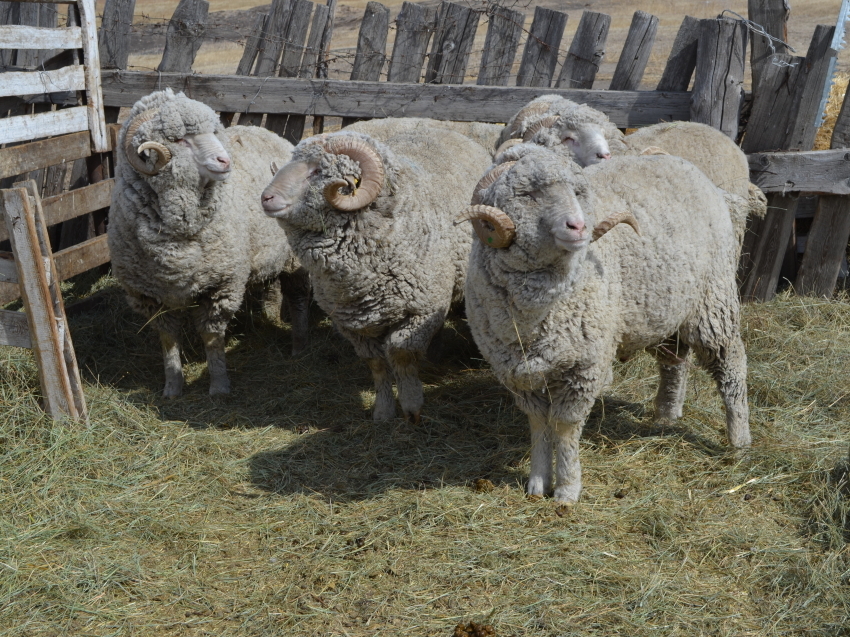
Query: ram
(186, 229)
(557, 290)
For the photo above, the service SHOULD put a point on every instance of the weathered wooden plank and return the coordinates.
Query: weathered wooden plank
(371, 47)
(9, 14)
(816, 76)
(540, 54)
(586, 51)
(28, 15)
(500, 45)
(82, 257)
(322, 62)
(249, 55)
(26, 127)
(452, 44)
(114, 35)
(719, 82)
(71, 78)
(313, 50)
(682, 59)
(91, 58)
(774, 107)
(47, 342)
(771, 236)
(772, 15)
(826, 246)
(414, 26)
(381, 99)
(824, 171)
(185, 35)
(46, 1)
(17, 37)
(636, 51)
(14, 329)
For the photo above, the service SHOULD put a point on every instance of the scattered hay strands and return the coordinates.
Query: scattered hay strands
(282, 510)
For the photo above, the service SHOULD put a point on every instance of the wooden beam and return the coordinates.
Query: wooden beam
(114, 34)
(540, 54)
(371, 47)
(82, 257)
(772, 16)
(383, 99)
(414, 26)
(500, 45)
(19, 37)
(682, 59)
(94, 96)
(452, 44)
(826, 246)
(70, 78)
(822, 171)
(14, 329)
(586, 51)
(23, 128)
(636, 51)
(185, 34)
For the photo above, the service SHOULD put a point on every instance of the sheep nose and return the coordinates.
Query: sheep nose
(224, 161)
(603, 155)
(576, 225)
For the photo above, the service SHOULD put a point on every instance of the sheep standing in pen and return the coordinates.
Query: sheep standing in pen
(186, 229)
(555, 291)
(590, 137)
(373, 224)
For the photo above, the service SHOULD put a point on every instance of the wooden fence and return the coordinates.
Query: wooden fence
(282, 80)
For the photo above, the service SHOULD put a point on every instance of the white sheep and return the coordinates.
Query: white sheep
(372, 223)
(486, 135)
(186, 229)
(551, 299)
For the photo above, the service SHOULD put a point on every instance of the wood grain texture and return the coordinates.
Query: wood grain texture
(82, 257)
(504, 29)
(371, 47)
(114, 35)
(772, 15)
(414, 26)
(313, 50)
(383, 99)
(70, 78)
(185, 34)
(452, 44)
(826, 246)
(636, 51)
(771, 236)
(26, 127)
(14, 329)
(91, 59)
(586, 51)
(719, 81)
(17, 37)
(815, 75)
(540, 55)
(682, 59)
(823, 171)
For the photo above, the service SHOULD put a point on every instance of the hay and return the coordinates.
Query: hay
(282, 510)
(833, 107)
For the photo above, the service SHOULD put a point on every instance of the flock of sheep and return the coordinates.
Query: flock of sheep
(587, 246)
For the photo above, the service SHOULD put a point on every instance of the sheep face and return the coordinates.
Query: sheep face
(585, 142)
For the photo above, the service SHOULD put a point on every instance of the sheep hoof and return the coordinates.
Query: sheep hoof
(384, 414)
(536, 486)
(220, 388)
(568, 493)
(173, 389)
(416, 418)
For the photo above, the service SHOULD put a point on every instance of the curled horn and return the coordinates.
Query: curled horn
(546, 122)
(132, 154)
(526, 112)
(618, 217)
(508, 144)
(490, 178)
(653, 150)
(371, 174)
(493, 227)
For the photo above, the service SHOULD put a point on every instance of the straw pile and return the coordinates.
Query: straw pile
(833, 107)
(282, 510)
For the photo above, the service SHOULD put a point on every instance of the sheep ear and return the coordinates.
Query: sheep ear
(570, 138)
(274, 168)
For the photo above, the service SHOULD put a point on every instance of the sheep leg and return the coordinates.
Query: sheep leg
(729, 369)
(405, 366)
(211, 319)
(173, 365)
(540, 475)
(384, 400)
(672, 357)
(216, 363)
(296, 290)
(567, 464)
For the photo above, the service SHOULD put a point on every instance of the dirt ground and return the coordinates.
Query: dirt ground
(230, 21)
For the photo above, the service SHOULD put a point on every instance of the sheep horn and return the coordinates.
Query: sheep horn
(371, 178)
(618, 217)
(525, 112)
(490, 178)
(163, 155)
(508, 144)
(131, 153)
(493, 227)
(653, 150)
(546, 122)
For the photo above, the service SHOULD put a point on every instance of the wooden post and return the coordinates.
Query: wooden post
(772, 15)
(322, 62)
(184, 37)
(456, 27)
(371, 47)
(540, 55)
(719, 83)
(114, 35)
(414, 26)
(636, 50)
(682, 59)
(249, 55)
(586, 51)
(783, 118)
(500, 45)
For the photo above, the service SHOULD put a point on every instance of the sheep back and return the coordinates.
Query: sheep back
(485, 135)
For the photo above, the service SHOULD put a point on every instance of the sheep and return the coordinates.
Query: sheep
(383, 129)
(555, 291)
(372, 223)
(551, 121)
(186, 230)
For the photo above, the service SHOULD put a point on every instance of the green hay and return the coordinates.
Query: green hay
(282, 510)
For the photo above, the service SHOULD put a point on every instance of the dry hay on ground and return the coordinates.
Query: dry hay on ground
(281, 510)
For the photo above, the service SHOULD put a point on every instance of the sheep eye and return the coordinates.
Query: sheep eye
(182, 141)
(532, 195)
